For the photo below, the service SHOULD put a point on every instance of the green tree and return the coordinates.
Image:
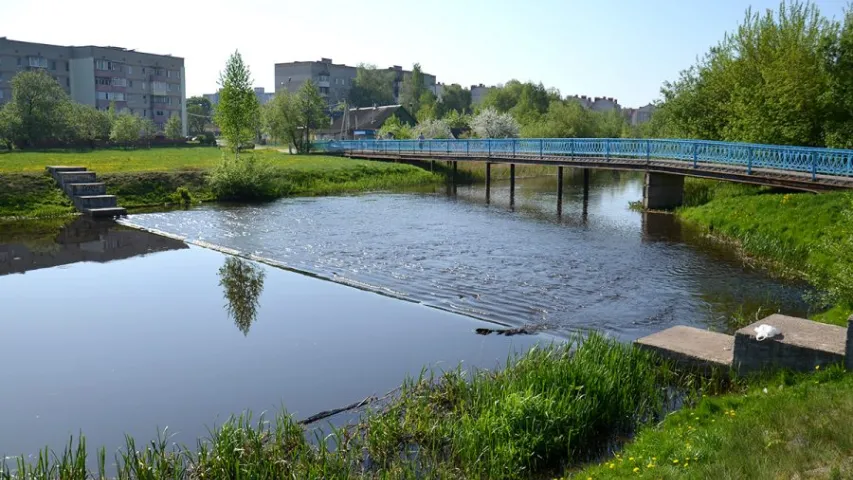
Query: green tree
(174, 128)
(41, 108)
(281, 119)
(414, 87)
(372, 86)
(238, 111)
(396, 129)
(428, 107)
(89, 124)
(312, 113)
(455, 98)
(9, 125)
(199, 112)
(456, 120)
(126, 129)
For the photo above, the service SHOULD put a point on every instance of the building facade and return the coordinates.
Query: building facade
(478, 93)
(334, 80)
(143, 84)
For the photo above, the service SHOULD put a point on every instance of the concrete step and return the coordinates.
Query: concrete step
(106, 212)
(691, 347)
(54, 169)
(802, 345)
(65, 178)
(95, 201)
(85, 189)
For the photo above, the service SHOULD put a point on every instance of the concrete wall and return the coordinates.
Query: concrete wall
(83, 80)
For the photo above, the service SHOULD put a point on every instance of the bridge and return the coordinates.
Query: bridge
(664, 162)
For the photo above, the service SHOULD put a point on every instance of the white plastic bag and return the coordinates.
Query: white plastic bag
(763, 332)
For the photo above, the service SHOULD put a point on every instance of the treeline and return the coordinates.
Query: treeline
(783, 77)
(40, 113)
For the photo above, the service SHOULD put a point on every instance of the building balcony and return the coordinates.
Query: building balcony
(323, 83)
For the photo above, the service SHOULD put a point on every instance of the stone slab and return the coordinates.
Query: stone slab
(52, 169)
(691, 346)
(66, 178)
(106, 212)
(95, 201)
(77, 189)
(802, 345)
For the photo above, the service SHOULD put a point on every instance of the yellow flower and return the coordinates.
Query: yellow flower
(651, 465)
(817, 367)
(654, 459)
(686, 465)
(612, 466)
(636, 469)
(675, 460)
(631, 459)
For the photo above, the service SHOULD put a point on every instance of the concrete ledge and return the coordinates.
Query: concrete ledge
(803, 345)
(691, 347)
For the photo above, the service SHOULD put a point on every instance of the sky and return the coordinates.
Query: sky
(616, 48)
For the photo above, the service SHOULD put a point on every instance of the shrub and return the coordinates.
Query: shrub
(182, 196)
(207, 139)
(243, 179)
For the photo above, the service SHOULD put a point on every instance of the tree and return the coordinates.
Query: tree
(428, 107)
(173, 128)
(454, 97)
(9, 125)
(312, 114)
(238, 111)
(413, 89)
(89, 124)
(456, 120)
(396, 129)
(41, 108)
(491, 124)
(372, 87)
(126, 129)
(199, 112)
(433, 129)
(281, 118)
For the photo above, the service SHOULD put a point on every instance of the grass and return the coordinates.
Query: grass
(151, 177)
(798, 235)
(791, 426)
(548, 409)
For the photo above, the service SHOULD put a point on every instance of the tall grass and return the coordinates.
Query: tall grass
(550, 408)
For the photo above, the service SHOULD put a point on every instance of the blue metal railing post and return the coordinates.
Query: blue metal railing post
(399, 147)
(541, 148)
(695, 154)
(814, 166)
(848, 165)
(648, 152)
(429, 147)
(572, 148)
(448, 147)
(513, 147)
(607, 149)
(489, 143)
(749, 160)
(467, 147)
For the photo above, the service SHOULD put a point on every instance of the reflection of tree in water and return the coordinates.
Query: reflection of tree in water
(243, 284)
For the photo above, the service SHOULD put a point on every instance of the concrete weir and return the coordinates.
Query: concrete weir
(802, 345)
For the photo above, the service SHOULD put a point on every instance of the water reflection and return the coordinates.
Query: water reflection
(243, 283)
(35, 245)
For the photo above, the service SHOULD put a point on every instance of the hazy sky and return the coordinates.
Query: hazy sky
(616, 48)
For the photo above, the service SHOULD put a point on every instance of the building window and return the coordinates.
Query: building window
(115, 96)
(130, 83)
(159, 87)
(129, 70)
(37, 62)
(19, 61)
(159, 72)
(324, 78)
(102, 65)
(324, 90)
(161, 99)
(102, 80)
(67, 81)
(119, 82)
(66, 66)
(101, 95)
(145, 85)
(158, 113)
(116, 67)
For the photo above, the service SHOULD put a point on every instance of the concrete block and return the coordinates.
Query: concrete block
(691, 347)
(66, 178)
(95, 201)
(85, 189)
(663, 191)
(802, 345)
(106, 212)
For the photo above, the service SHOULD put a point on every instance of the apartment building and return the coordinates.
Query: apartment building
(479, 92)
(334, 80)
(143, 84)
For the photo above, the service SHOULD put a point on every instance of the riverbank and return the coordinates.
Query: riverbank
(789, 426)
(152, 177)
(797, 235)
(552, 407)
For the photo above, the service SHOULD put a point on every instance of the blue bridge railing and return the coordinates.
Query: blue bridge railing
(824, 161)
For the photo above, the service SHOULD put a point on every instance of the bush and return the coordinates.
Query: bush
(182, 196)
(245, 178)
(207, 139)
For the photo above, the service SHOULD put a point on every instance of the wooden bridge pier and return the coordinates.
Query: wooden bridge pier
(488, 182)
(559, 191)
(511, 184)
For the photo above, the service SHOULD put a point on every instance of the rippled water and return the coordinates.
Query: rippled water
(599, 265)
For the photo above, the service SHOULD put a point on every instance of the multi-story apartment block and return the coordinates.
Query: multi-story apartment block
(334, 80)
(478, 93)
(143, 84)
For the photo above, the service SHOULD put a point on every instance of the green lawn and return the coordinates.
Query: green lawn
(114, 160)
(789, 427)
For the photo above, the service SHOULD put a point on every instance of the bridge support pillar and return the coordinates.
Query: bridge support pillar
(488, 182)
(663, 191)
(585, 192)
(559, 190)
(432, 166)
(511, 184)
(455, 163)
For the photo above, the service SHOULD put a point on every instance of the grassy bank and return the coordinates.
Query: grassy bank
(145, 178)
(798, 235)
(547, 410)
(793, 426)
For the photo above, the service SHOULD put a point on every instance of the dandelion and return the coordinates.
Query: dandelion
(817, 367)
(675, 460)
(612, 466)
(650, 465)
(636, 469)
(631, 459)
(686, 464)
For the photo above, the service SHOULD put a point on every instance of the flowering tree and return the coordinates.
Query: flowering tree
(491, 124)
(433, 129)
